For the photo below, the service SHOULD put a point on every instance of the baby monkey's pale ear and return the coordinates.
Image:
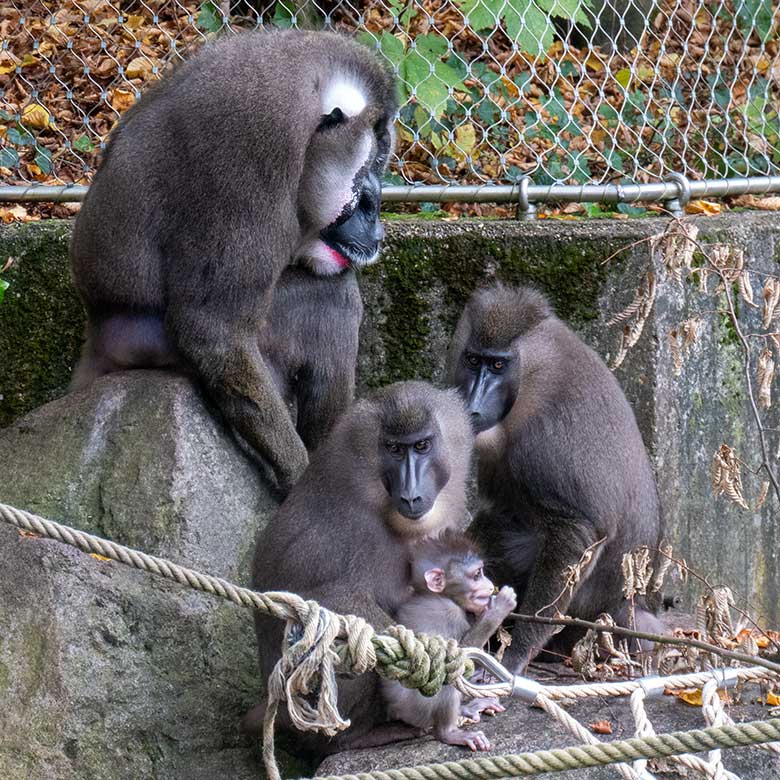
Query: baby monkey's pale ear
(435, 580)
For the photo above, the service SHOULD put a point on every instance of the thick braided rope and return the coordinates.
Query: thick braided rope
(334, 643)
(580, 756)
(329, 643)
(716, 715)
(578, 730)
(712, 768)
(627, 687)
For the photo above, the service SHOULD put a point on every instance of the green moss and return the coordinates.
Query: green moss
(41, 318)
(426, 276)
(406, 274)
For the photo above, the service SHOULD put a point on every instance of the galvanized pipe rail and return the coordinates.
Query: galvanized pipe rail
(675, 192)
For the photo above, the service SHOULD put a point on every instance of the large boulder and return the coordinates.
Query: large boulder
(107, 672)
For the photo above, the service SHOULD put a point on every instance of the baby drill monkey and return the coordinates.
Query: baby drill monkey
(452, 598)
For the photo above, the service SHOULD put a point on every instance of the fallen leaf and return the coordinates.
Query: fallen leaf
(16, 213)
(692, 696)
(706, 207)
(601, 727)
(28, 534)
(99, 557)
(139, 68)
(36, 116)
(134, 21)
(7, 65)
(771, 203)
(122, 99)
(772, 699)
(465, 140)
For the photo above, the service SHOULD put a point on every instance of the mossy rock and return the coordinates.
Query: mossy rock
(41, 317)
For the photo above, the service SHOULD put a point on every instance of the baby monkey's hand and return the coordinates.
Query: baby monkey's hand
(504, 601)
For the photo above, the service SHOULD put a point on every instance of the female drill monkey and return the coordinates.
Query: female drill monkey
(561, 463)
(181, 241)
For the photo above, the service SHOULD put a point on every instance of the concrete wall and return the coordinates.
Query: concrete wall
(412, 300)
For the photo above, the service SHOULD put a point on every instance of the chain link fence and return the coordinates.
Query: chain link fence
(562, 91)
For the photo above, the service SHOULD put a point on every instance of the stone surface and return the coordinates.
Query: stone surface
(106, 672)
(524, 729)
(412, 299)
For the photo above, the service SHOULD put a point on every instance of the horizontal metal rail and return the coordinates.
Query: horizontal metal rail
(524, 193)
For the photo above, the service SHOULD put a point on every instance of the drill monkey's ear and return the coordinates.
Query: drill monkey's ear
(435, 580)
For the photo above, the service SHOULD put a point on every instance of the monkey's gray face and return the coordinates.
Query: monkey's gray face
(487, 384)
(413, 472)
(355, 236)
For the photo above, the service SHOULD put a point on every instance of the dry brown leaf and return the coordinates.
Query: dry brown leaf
(726, 476)
(765, 373)
(99, 557)
(692, 696)
(139, 68)
(36, 117)
(600, 727)
(706, 207)
(122, 99)
(17, 213)
(771, 203)
(771, 297)
(772, 699)
(746, 289)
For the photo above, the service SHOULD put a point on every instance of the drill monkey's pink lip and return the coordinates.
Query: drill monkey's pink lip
(338, 257)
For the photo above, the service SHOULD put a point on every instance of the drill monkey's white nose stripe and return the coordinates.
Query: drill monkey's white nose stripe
(344, 95)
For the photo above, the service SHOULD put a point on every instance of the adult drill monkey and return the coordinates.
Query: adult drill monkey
(262, 151)
(561, 463)
(393, 470)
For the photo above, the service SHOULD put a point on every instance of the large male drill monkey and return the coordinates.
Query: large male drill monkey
(262, 151)
(561, 463)
(392, 471)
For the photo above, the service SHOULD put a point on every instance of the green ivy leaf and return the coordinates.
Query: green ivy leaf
(19, 136)
(210, 17)
(758, 16)
(83, 144)
(482, 14)
(9, 158)
(610, 114)
(529, 27)
(43, 159)
(3, 288)
(566, 9)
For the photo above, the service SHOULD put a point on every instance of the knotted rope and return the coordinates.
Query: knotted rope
(320, 644)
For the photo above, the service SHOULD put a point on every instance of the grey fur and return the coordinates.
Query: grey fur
(565, 468)
(213, 184)
(337, 539)
(445, 614)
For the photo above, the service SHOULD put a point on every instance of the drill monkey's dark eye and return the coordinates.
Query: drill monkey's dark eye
(472, 360)
(424, 445)
(393, 447)
(499, 365)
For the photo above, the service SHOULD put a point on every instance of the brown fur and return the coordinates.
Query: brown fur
(565, 468)
(194, 235)
(338, 540)
(445, 614)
